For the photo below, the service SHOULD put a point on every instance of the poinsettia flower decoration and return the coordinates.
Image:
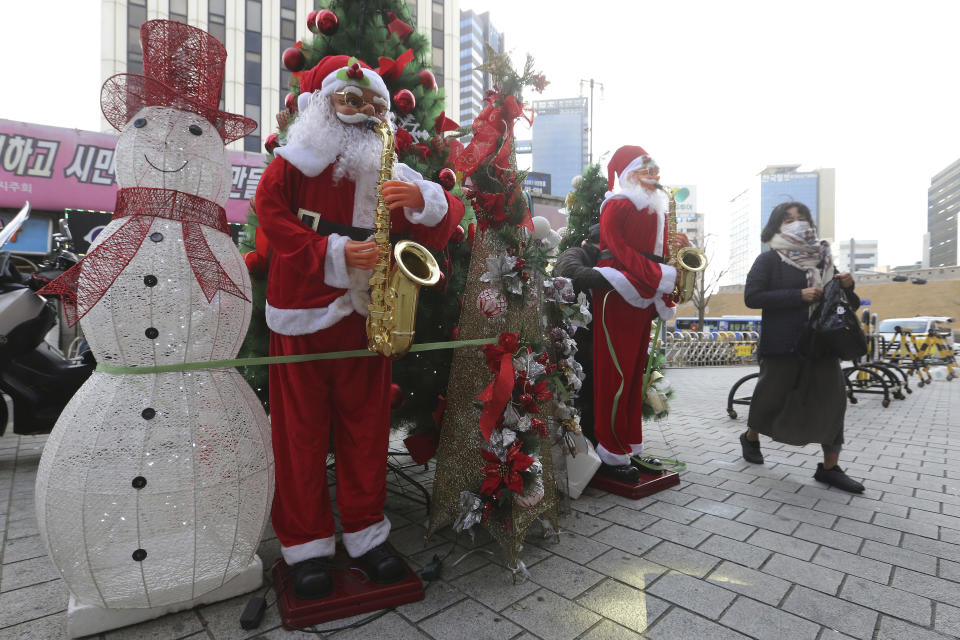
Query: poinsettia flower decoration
(504, 473)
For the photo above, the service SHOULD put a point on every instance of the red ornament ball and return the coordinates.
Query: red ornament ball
(293, 59)
(404, 101)
(492, 303)
(327, 22)
(396, 396)
(291, 103)
(427, 80)
(458, 234)
(312, 22)
(447, 178)
(271, 143)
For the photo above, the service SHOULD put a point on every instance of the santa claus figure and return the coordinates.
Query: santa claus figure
(316, 204)
(633, 249)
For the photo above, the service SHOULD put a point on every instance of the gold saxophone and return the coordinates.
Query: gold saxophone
(395, 284)
(688, 261)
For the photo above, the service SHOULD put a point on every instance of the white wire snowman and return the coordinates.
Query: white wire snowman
(155, 488)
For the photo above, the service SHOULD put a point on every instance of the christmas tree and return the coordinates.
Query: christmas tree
(380, 34)
(583, 205)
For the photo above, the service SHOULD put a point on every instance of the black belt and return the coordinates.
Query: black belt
(326, 228)
(606, 255)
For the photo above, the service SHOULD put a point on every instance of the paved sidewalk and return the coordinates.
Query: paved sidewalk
(736, 551)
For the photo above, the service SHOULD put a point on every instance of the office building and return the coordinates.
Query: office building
(255, 33)
(864, 254)
(750, 210)
(560, 140)
(943, 208)
(476, 30)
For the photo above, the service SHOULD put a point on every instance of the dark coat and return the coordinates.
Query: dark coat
(577, 263)
(775, 286)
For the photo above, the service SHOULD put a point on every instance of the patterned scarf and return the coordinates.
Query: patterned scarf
(798, 246)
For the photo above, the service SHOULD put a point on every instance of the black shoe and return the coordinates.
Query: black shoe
(626, 473)
(634, 461)
(383, 566)
(751, 450)
(835, 476)
(312, 579)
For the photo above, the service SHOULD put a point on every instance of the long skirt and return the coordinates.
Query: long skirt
(799, 401)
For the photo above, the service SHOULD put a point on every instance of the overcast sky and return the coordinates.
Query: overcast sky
(713, 90)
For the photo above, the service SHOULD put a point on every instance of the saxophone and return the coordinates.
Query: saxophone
(688, 261)
(395, 283)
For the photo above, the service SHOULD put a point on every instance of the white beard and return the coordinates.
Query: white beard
(317, 139)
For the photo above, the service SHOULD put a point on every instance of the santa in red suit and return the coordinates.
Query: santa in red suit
(633, 249)
(316, 205)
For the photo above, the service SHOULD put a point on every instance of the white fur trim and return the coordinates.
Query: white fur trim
(612, 459)
(365, 201)
(300, 322)
(668, 279)
(332, 83)
(636, 449)
(303, 101)
(322, 548)
(335, 263)
(434, 205)
(622, 285)
(635, 164)
(359, 542)
(306, 160)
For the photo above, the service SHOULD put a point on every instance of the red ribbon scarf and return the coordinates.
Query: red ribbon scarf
(497, 394)
(140, 206)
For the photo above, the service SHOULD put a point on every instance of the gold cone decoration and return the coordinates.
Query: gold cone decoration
(458, 456)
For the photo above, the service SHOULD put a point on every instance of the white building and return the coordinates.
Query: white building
(255, 33)
(744, 246)
(864, 252)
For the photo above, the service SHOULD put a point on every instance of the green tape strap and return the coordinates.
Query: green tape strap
(616, 364)
(266, 360)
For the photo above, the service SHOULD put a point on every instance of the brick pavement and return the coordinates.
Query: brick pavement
(736, 551)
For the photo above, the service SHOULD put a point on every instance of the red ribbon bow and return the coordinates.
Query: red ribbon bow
(504, 474)
(390, 69)
(497, 394)
(102, 266)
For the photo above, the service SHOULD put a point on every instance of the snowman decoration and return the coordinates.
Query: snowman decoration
(154, 489)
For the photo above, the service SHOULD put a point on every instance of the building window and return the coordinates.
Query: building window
(288, 37)
(178, 10)
(252, 71)
(136, 15)
(438, 14)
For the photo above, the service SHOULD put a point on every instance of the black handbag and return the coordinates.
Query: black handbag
(834, 329)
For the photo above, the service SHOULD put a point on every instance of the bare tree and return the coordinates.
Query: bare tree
(705, 286)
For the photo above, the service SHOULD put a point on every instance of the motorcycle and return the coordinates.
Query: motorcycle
(37, 377)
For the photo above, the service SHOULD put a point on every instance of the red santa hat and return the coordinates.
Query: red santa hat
(626, 159)
(336, 72)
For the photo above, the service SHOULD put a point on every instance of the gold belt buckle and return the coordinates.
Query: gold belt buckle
(309, 218)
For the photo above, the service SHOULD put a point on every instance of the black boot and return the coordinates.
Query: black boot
(751, 449)
(312, 579)
(625, 473)
(383, 566)
(835, 476)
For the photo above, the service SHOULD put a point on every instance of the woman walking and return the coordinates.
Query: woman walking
(798, 399)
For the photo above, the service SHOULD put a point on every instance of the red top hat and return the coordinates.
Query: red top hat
(183, 69)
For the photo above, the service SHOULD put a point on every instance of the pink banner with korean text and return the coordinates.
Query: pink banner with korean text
(56, 169)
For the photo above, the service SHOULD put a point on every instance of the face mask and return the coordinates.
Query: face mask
(797, 227)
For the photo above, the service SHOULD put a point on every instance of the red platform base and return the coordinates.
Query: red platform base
(648, 484)
(353, 594)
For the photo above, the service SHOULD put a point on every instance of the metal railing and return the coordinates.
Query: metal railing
(710, 348)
